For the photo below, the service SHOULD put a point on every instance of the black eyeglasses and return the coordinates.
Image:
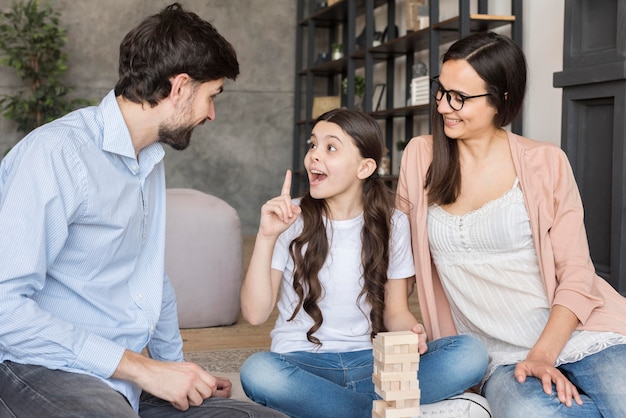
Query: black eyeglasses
(455, 99)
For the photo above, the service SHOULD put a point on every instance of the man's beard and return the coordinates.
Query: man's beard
(177, 134)
(177, 138)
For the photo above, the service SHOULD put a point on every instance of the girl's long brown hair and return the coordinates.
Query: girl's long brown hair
(310, 249)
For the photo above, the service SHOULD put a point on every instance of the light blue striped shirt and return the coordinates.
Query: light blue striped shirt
(82, 238)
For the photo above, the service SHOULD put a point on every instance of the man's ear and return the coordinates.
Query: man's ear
(178, 82)
(367, 168)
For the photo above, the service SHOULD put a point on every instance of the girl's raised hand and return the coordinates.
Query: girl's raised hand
(279, 213)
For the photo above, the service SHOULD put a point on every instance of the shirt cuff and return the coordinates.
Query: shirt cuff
(99, 356)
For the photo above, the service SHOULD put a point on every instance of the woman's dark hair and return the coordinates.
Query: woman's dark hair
(310, 249)
(500, 62)
(169, 43)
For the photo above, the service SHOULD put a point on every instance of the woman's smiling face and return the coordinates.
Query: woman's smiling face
(477, 114)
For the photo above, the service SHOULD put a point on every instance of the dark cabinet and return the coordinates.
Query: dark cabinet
(594, 127)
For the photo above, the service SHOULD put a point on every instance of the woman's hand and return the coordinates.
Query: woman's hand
(545, 371)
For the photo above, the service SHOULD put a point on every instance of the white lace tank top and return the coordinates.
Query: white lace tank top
(489, 269)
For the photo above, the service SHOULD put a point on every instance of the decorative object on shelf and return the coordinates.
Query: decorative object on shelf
(376, 40)
(322, 57)
(420, 85)
(321, 4)
(389, 34)
(420, 90)
(377, 98)
(323, 104)
(359, 90)
(337, 52)
(416, 12)
(419, 69)
(385, 164)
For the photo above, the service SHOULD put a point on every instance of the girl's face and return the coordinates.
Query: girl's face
(475, 119)
(334, 164)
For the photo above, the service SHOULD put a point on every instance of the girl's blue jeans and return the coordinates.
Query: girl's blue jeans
(600, 379)
(304, 384)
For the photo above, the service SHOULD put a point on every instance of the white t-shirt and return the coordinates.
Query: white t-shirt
(346, 326)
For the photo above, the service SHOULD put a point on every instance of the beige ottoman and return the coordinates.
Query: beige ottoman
(203, 258)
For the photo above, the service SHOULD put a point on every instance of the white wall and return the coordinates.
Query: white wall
(543, 46)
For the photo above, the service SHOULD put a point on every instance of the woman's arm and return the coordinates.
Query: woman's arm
(542, 357)
(397, 315)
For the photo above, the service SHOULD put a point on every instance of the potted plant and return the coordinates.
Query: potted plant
(31, 42)
(359, 89)
(337, 51)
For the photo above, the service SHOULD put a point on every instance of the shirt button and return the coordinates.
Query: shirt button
(139, 296)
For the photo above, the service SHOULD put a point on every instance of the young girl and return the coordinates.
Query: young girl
(341, 259)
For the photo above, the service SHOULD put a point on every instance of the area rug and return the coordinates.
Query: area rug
(221, 361)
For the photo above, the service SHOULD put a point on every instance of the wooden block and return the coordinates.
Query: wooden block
(394, 395)
(402, 412)
(390, 376)
(406, 403)
(396, 358)
(393, 385)
(382, 409)
(396, 337)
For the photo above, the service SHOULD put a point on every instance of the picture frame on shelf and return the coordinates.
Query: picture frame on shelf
(377, 98)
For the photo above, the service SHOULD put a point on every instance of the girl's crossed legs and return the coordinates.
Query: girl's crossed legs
(303, 384)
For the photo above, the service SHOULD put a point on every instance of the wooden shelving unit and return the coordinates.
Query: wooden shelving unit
(318, 29)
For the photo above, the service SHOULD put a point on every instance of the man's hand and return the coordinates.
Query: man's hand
(224, 387)
(183, 384)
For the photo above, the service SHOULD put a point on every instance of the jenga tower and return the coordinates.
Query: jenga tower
(396, 361)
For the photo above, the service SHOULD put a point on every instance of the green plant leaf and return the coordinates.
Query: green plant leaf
(31, 42)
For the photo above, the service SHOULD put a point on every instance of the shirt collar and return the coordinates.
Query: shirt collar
(117, 140)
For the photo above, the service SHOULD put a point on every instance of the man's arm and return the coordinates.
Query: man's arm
(166, 342)
(40, 195)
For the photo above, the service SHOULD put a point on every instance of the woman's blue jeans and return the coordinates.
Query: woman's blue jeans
(304, 384)
(600, 379)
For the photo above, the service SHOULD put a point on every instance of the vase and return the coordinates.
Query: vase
(358, 103)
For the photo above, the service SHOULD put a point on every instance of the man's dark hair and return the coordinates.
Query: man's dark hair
(169, 43)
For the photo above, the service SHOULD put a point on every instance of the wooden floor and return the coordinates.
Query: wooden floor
(242, 334)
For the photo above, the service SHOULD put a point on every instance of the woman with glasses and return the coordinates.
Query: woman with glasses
(500, 246)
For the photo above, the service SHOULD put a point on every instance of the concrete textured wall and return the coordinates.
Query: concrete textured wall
(241, 156)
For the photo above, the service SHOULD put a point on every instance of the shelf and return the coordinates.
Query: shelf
(326, 68)
(397, 112)
(339, 21)
(478, 23)
(337, 13)
(419, 40)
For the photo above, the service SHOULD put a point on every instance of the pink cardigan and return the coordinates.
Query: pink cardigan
(556, 217)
